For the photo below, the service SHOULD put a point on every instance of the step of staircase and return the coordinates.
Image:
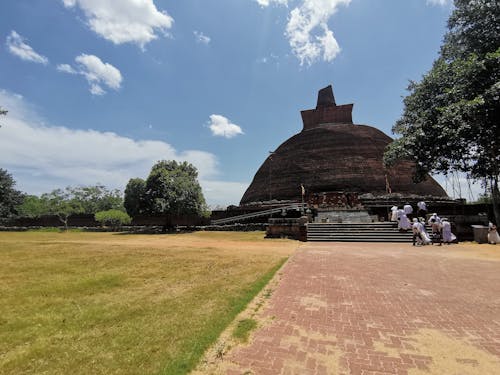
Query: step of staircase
(357, 232)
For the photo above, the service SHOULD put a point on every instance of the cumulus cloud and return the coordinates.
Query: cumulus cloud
(222, 127)
(308, 33)
(265, 3)
(17, 46)
(124, 21)
(201, 38)
(43, 157)
(96, 72)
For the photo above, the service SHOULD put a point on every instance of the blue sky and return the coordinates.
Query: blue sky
(97, 91)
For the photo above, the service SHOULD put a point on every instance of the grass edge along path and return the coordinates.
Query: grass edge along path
(195, 349)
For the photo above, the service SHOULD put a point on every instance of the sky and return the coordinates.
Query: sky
(99, 90)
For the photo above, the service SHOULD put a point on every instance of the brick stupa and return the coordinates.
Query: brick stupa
(331, 154)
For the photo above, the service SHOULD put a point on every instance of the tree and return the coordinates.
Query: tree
(33, 206)
(10, 198)
(113, 218)
(72, 200)
(96, 198)
(62, 204)
(134, 196)
(173, 188)
(450, 118)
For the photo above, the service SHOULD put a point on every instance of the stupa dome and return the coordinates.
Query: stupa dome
(331, 154)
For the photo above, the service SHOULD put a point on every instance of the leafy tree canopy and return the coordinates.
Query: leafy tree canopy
(134, 196)
(96, 198)
(10, 198)
(61, 203)
(113, 218)
(72, 200)
(173, 188)
(450, 119)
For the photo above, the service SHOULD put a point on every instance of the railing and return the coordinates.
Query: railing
(232, 219)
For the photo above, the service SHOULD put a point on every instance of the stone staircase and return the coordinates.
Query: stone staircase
(357, 232)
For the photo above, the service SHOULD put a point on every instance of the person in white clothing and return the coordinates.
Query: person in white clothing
(408, 209)
(394, 213)
(493, 237)
(422, 209)
(448, 237)
(423, 233)
(435, 223)
(420, 236)
(403, 222)
(417, 239)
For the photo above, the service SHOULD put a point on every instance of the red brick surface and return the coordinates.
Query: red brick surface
(361, 308)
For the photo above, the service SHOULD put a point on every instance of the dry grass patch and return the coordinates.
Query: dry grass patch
(108, 303)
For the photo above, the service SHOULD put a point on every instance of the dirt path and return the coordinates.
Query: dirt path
(379, 309)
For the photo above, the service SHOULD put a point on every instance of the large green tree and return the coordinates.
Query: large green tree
(450, 119)
(10, 198)
(173, 188)
(134, 200)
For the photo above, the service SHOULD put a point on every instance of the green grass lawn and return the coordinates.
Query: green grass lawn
(103, 303)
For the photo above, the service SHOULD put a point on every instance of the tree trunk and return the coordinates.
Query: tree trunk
(64, 219)
(495, 198)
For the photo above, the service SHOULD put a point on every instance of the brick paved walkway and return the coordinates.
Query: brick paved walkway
(378, 309)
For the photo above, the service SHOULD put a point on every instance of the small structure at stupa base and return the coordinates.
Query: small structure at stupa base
(335, 167)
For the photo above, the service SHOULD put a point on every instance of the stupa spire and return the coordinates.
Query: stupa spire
(327, 112)
(326, 97)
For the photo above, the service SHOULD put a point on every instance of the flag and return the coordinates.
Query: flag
(302, 189)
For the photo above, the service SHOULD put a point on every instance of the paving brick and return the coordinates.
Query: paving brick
(358, 309)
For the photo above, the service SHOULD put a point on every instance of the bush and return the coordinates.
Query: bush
(112, 218)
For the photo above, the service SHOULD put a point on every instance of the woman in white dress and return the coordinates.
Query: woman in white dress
(448, 237)
(493, 236)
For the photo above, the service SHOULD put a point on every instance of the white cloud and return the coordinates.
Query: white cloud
(222, 192)
(438, 2)
(265, 3)
(124, 21)
(96, 72)
(16, 46)
(66, 68)
(308, 33)
(222, 127)
(42, 157)
(201, 38)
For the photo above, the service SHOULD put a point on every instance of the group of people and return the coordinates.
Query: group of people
(440, 228)
(404, 215)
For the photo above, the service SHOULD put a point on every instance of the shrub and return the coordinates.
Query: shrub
(112, 218)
